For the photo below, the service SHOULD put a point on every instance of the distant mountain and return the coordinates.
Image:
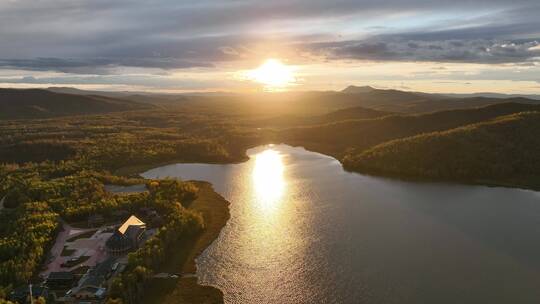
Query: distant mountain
(504, 151)
(311, 103)
(418, 102)
(75, 91)
(356, 89)
(136, 96)
(368, 89)
(493, 95)
(38, 103)
(317, 103)
(410, 102)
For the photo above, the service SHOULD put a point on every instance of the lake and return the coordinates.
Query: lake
(303, 230)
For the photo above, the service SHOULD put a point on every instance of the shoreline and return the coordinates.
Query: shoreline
(137, 169)
(215, 211)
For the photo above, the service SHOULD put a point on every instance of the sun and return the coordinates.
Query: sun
(273, 74)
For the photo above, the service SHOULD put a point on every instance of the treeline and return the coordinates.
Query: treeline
(36, 196)
(169, 197)
(26, 233)
(51, 169)
(167, 190)
(74, 196)
(504, 151)
(113, 155)
(122, 139)
(36, 151)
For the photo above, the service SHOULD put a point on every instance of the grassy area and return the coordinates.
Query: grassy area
(84, 235)
(215, 210)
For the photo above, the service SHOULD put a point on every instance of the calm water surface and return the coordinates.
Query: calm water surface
(302, 230)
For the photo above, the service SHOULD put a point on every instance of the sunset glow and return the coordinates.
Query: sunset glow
(268, 178)
(273, 74)
(247, 46)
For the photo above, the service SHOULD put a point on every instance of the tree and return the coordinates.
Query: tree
(40, 300)
(117, 288)
(114, 301)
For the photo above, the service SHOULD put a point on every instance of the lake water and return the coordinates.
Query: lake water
(303, 230)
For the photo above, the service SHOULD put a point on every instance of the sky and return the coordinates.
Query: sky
(458, 46)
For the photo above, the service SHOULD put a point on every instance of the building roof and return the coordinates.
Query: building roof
(131, 221)
(60, 275)
(134, 232)
(126, 237)
(118, 242)
(97, 275)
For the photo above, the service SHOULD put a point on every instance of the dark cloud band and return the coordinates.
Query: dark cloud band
(97, 36)
(462, 51)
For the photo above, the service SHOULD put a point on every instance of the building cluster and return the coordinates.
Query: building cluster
(70, 288)
(127, 237)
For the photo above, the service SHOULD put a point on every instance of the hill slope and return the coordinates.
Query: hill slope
(36, 103)
(305, 103)
(351, 113)
(335, 116)
(504, 151)
(335, 138)
(417, 102)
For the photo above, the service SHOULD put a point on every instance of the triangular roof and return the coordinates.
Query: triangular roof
(131, 221)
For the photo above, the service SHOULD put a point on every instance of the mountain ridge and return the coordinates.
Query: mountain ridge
(40, 103)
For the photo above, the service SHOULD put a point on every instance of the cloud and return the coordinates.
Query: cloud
(98, 36)
(399, 49)
(535, 48)
(143, 81)
(97, 65)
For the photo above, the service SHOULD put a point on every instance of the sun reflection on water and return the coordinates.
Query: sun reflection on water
(268, 180)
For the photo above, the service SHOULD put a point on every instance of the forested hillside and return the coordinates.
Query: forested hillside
(336, 138)
(57, 167)
(35, 103)
(123, 139)
(334, 116)
(503, 151)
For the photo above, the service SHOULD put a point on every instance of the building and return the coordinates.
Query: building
(60, 280)
(92, 286)
(21, 294)
(127, 237)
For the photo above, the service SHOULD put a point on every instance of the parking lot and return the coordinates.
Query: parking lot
(69, 248)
